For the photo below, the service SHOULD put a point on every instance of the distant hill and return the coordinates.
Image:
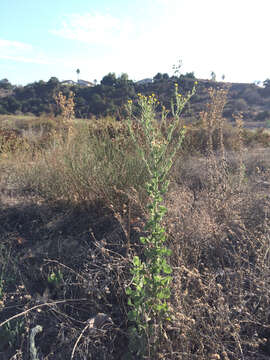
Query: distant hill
(253, 101)
(110, 96)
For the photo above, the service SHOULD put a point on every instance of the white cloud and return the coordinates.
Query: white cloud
(7, 45)
(12, 49)
(101, 29)
(34, 60)
(21, 52)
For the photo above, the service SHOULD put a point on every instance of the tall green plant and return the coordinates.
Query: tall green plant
(149, 291)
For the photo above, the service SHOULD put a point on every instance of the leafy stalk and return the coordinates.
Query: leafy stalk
(149, 291)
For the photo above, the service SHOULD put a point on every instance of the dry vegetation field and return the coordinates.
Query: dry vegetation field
(72, 196)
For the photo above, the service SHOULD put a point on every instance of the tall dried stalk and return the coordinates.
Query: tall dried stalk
(66, 105)
(212, 121)
(240, 130)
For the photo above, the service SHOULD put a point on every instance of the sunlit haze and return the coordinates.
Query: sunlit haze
(41, 39)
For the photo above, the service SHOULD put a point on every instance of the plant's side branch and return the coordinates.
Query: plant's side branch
(39, 306)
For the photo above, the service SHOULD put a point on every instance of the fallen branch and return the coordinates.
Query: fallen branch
(39, 306)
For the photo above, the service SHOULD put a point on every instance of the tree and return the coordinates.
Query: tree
(190, 75)
(266, 83)
(13, 105)
(266, 89)
(97, 104)
(176, 68)
(5, 84)
(52, 87)
(53, 83)
(124, 77)
(78, 73)
(53, 80)
(158, 77)
(213, 76)
(109, 80)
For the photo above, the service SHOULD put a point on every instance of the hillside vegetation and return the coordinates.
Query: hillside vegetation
(110, 96)
(87, 213)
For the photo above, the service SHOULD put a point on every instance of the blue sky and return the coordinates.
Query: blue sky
(40, 39)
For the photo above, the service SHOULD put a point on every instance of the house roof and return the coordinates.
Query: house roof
(84, 82)
(145, 81)
(68, 82)
(79, 82)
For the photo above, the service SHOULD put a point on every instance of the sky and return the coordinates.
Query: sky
(40, 39)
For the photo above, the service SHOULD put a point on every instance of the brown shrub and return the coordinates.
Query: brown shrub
(10, 140)
(219, 237)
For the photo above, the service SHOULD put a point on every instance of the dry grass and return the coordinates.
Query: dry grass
(220, 244)
(85, 168)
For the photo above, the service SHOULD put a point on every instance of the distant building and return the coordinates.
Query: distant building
(4, 81)
(85, 83)
(79, 82)
(68, 82)
(144, 81)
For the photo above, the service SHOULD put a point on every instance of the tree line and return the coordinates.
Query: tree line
(107, 98)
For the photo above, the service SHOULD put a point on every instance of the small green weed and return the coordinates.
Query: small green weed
(10, 334)
(11, 331)
(55, 278)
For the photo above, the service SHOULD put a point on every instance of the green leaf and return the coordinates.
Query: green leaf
(136, 261)
(161, 295)
(129, 291)
(143, 240)
(167, 269)
(161, 307)
(132, 315)
(130, 302)
(162, 209)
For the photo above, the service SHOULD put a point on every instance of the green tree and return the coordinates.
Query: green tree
(266, 90)
(189, 75)
(78, 73)
(158, 77)
(266, 83)
(97, 104)
(13, 105)
(109, 80)
(124, 77)
(5, 84)
(213, 76)
(52, 86)
(165, 76)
